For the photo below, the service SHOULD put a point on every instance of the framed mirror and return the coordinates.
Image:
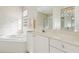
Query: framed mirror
(68, 19)
(45, 17)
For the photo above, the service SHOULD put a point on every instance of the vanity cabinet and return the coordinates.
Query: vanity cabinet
(37, 43)
(41, 44)
(58, 46)
(71, 48)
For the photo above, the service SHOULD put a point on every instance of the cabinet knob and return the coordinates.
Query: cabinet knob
(62, 46)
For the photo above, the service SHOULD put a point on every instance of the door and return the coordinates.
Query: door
(41, 44)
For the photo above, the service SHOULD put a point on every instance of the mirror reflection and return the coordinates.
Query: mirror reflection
(45, 17)
(67, 18)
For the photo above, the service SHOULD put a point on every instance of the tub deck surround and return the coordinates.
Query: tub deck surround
(68, 37)
(12, 40)
(8, 46)
(13, 45)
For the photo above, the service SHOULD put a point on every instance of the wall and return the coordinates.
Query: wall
(76, 18)
(32, 15)
(9, 17)
(56, 18)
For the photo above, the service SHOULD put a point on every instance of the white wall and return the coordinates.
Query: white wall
(76, 18)
(9, 17)
(56, 18)
(32, 15)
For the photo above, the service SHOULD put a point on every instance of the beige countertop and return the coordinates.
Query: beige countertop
(69, 37)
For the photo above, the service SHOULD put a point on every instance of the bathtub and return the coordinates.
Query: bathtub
(12, 45)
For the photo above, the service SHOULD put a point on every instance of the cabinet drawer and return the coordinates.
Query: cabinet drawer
(70, 48)
(56, 43)
(54, 50)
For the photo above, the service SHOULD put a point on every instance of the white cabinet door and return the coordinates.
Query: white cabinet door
(55, 50)
(56, 43)
(71, 48)
(41, 44)
(30, 42)
(56, 46)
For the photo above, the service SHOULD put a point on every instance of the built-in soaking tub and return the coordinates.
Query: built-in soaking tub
(12, 45)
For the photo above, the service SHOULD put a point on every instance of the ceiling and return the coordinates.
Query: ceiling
(45, 9)
(48, 9)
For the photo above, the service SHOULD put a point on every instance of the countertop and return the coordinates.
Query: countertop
(68, 37)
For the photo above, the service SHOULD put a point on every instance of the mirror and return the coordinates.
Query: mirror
(68, 19)
(45, 17)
